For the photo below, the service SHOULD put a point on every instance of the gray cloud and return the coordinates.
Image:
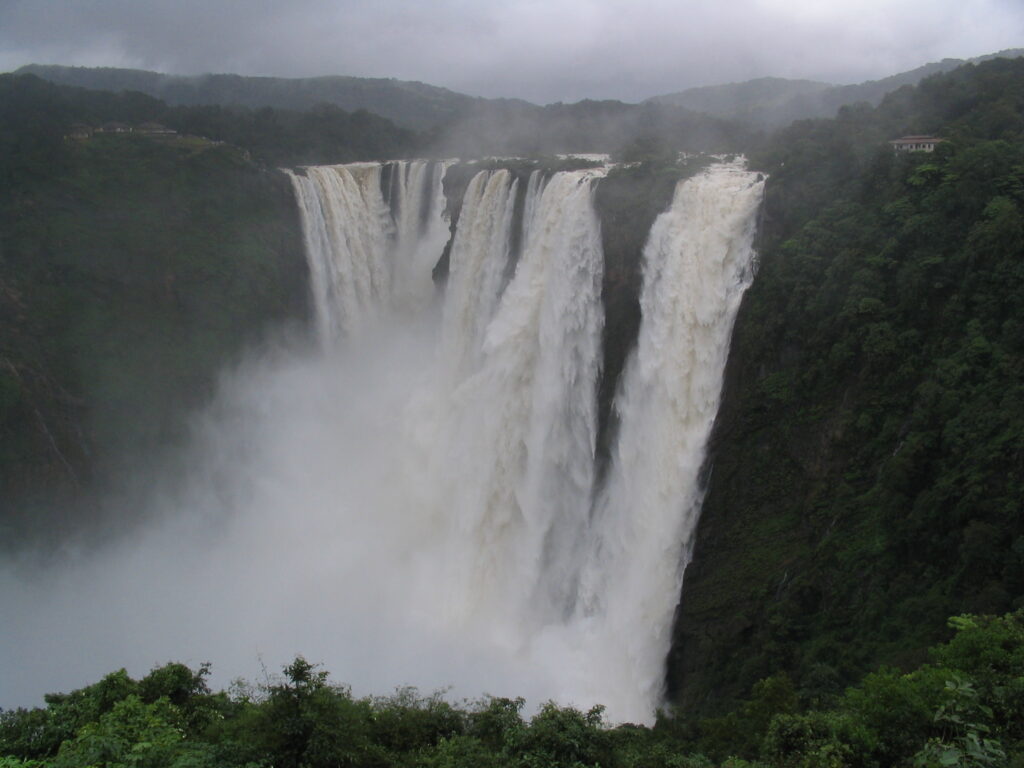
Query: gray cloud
(542, 51)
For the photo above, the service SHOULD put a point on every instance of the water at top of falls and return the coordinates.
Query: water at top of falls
(422, 230)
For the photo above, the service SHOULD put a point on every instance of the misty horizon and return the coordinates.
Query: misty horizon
(566, 51)
(390, 78)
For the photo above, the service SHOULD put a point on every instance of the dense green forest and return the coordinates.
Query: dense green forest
(131, 269)
(413, 105)
(866, 469)
(964, 708)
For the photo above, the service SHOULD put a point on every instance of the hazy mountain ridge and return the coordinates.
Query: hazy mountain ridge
(494, 128)
(773, 102)
(410, 104)
(447, 122)
(710, 118)
(746, 100)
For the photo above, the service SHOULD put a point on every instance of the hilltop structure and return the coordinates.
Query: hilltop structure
(916, 143)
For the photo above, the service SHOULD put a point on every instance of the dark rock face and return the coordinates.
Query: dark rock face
(122, 308)
(627, 202)
(734, 548)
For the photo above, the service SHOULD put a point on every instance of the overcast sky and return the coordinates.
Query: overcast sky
(541, 50)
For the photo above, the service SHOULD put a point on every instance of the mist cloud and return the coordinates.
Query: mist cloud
(289, 534)
(544, 52)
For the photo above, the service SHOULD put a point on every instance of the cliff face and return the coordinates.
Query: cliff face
(864, 476)
(132, 269)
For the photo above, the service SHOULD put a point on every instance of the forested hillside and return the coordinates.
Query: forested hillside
(131, 269)
(416, 106)
(773, 102)
(305, 122)
(36, 112)
(866, 469)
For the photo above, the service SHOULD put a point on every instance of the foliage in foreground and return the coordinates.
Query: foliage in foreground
(965, 708)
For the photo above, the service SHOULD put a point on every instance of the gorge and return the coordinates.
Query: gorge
(439, 425)
(416, 496)
(515, 538)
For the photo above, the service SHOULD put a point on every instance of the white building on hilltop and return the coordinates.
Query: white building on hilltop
(916, 143)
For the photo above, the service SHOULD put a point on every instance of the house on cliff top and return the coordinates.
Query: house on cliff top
(916, 143)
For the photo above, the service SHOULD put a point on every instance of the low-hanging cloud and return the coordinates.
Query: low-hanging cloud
(287, 533)
(543, 52)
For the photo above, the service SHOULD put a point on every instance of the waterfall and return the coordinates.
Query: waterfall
(417, 201)
(509, 545)
(479, 255)
(522, 422)
(368, 255)
(413, 500)
(697, 264)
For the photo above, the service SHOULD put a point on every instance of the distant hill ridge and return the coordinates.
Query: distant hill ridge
(410, 104)
(767, 102)
(448, 122)
(774, 101)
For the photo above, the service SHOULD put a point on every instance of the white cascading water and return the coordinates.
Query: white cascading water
(413, 500)
(478, 258)
(516, 547)
(698, 261)
(363, 259)
(519, 428)
(422, 231)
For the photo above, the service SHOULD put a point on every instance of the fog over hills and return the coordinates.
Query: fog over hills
(774, 101)
(411, 104)
(766, 102)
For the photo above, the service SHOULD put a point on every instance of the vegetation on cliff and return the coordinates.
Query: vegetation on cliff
(35, 112)
(865, 474)
(412, 105)
(131, 269)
